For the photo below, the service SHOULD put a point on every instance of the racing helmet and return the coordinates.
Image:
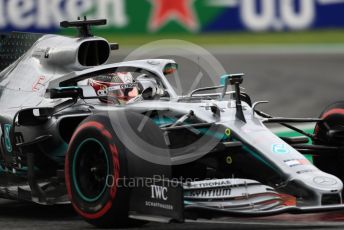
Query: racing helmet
(118, 86)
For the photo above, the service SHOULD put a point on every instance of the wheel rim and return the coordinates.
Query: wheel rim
(90, 169)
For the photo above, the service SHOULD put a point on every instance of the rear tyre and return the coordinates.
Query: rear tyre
(94, 163)
(333, 117)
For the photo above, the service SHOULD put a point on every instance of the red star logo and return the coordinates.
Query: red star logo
(167, 10)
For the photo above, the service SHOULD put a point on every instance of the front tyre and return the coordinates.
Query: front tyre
(94, 163)
(333, 122)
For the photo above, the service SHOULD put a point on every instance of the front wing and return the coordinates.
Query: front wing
(167, 201)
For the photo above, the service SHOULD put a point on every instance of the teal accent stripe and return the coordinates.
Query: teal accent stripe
(7, 137)
(217, 135)
(163, 120)
(166, 120)
(256, 155)
(60, 151)
(187, 202)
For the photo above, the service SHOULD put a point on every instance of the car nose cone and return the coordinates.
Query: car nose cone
(324, 181)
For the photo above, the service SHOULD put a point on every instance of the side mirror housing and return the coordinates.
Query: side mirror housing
(65, 92)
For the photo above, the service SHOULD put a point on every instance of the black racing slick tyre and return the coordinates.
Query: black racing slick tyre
(94, 162)
(333, 120)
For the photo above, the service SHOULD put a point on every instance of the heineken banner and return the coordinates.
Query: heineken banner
(170, 16)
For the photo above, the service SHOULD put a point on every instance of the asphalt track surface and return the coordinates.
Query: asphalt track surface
(297, 82)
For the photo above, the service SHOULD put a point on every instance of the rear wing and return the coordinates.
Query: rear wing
(14, 45)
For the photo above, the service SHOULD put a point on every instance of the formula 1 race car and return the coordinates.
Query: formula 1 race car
(117, 142)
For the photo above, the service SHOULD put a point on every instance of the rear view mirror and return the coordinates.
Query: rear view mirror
(170, 68)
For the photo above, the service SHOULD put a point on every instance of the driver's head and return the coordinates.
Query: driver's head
(119, 85)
